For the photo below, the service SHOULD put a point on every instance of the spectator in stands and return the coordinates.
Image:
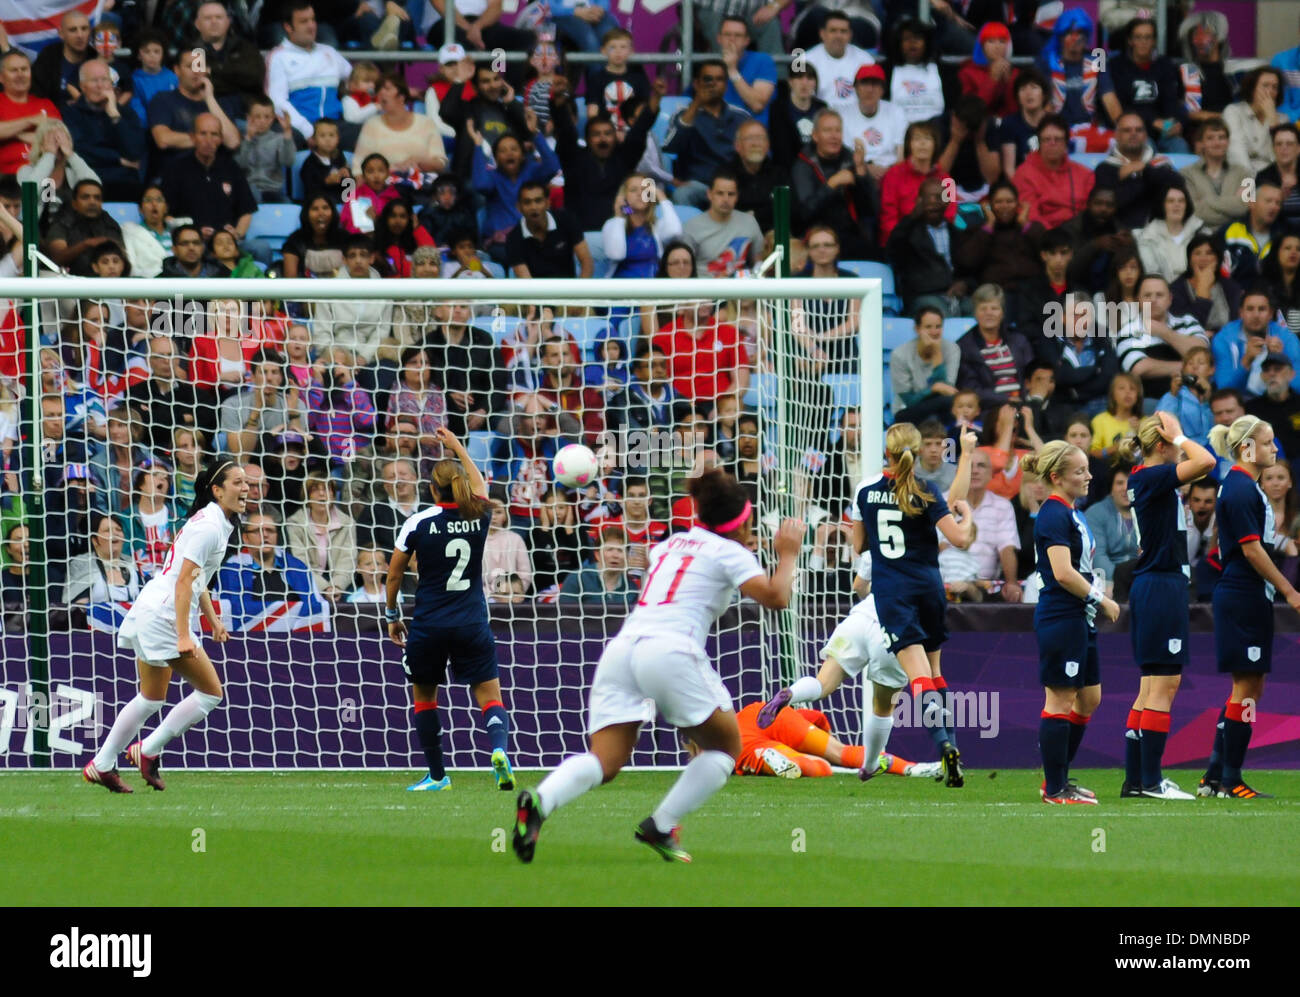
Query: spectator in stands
(263, 408)
(521, 460)
(1123, 413)
(1204, 44)
(399, 239)
(234, 62)
(56, 169)
(1188, 396)
(1066, 61)
(1245, 244)
(68, 524)
(1083, 361)
(1251, 119)
(381, 520)
(1242, 346)
(224, 251)
(915, 87)
(356, 325)
(409, 141)
(751, 76)
(826, 329)
(109, 137)
(923, 371)
(644, 221)
(340, 413)
(970, 154)
(726, 240)
(997, 541)
(749, 466)
(1288, 62)
(649, 401)
(1017, 134)
(418, 397)
(1281, 274)
(302, 75)
(1162, 242)
(833, 186)
(1285, 174)
(1143, 82)
(207, 185)
(1004, 250)
(988, 74)
(1201, 291)
(379, 25)
(1153, 343)
(167, 399)
(487, 108)
(609, 86)
(263, 571)
(1043, 296)
(463, 360)
(875, 123)
(993, 359)
(921, 251)
(1113, 527)
(114, 461)
(1278, 404)
(1097, 237)
(507, 568)
(500, 184)
(20, 112)
(641, 530)
(702, 135)
(188, 259)
(324, 537)
(148, 242)
(706, 357)
(1214, 184)
(593, 174)
(153, 77)
(80, 228)
(932, 466)
(326, 168)
(792, 114)
(316, 248)
(55, 72)
(18, 560)
(901, 187)
(173, 114)
(1134, 171)
(756, 173)
(606, 579)
(104, 573)
(1055, 187)
(1050, 414)
(479, 28)
(153, 520)
(837, 61)
(450, 211)
(546, 243)
(578, 408)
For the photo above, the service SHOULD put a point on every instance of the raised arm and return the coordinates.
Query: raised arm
(448, 439)
(773, 592)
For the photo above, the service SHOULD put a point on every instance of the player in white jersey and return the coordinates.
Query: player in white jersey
(657, 662)
(157, 630)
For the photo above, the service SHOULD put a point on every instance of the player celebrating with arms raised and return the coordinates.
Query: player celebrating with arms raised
(659, 655)
(157, 630)
(1065, 617)
(450, 618)
(1243, 598)
(1158, 602)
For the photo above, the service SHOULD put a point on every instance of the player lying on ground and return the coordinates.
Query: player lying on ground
(800, 743)
(157, 630)
(658, 662)
(860, 642)
(450, 618)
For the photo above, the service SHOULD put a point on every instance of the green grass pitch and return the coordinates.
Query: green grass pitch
(359, 838)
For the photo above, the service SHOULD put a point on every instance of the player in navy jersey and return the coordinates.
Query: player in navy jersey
(449, 623)
(1159, 615)
(1243, 598)
(1065, 617)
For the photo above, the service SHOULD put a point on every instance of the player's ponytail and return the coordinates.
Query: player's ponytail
(451, 484)
(1049, 460)
(212, 476)
(1227, 441)
(902, 444)
(721, 502)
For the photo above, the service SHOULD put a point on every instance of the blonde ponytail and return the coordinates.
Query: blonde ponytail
(902, 442)
(1050, 460)
(1226, 441)
(450, 477)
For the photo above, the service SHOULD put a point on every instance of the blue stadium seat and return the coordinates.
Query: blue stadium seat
(418, 107)
(762, 390)
(846, 390)
(493, 267)
(1091, 160)
(668, 106)
(897, 331)
(955, 328)
(603, 267)
(686, 212)
(891, 304)
(479, 447)
(122, 211)
(1179, 160)
(274, 223)
(499, 327)
(584, 331)
(580, 105)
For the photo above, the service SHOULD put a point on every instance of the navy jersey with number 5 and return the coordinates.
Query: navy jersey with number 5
(1242, 514)
(1159, 519)
(449, 555)
(904, 549)
(1059, 524)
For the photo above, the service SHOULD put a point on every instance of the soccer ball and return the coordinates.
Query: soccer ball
(575, 466)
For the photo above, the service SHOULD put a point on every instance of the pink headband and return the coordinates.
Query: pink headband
(731, 524)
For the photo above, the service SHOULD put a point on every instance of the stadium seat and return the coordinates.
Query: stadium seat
(897, 331)
(122, 211)
(499, 327)
(668, 106)
(892, 303)
(603, 267)
(1091, 160)
(493, 267)
(846, 390)
(585, 331)
(1179, 160)
(479, 447)
(418, 107)
(955, 328)
(762, 385)
(686, 212)
(273, 223)
(580, 105)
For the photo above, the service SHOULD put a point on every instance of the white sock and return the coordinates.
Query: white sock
(179, 719)
(878, 729)
(703, 776)
(576, 775)
(805, 690)
(134, 715)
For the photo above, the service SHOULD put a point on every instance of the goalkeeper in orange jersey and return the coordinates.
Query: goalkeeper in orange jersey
(800, 743)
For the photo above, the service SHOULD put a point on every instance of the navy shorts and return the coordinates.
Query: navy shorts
(471, 652)
(1243, 630)
(1159, 619)
(913, 617)
(1067, 653)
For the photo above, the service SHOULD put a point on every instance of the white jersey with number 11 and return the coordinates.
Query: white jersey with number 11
(690, 580)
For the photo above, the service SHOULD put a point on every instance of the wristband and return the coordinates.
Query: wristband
(1179, 440)
(1097, 594)
(393, 615)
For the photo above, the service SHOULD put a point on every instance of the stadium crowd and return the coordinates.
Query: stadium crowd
(1073, 243)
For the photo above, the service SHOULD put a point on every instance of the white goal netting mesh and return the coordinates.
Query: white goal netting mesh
(332, 406)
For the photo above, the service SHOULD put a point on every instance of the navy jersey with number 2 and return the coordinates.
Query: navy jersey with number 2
(905, 577)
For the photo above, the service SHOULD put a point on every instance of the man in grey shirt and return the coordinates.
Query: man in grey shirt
(726, 240)
(260, 408)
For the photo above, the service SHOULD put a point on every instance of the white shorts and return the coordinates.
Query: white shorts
(151, 637)
(858, 643)
(639, 675)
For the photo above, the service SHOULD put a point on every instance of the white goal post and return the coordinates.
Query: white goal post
(312, 682)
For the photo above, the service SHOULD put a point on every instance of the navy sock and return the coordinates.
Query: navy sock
(1054, 745)
(1214, 769)
(932, 717)
(496, 721)
(1078, 724)
(949, 730)
(1155, 731)
(429, 730)
(1236, 739)
(1133, 748)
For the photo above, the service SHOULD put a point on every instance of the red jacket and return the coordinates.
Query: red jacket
(899, 188)
(1053, 196)
(998, 96)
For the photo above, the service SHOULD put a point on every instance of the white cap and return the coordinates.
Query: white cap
(451, 53)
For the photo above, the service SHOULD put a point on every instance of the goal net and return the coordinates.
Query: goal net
(330, 392)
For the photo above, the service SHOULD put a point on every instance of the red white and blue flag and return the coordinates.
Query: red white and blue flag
(31, 24)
